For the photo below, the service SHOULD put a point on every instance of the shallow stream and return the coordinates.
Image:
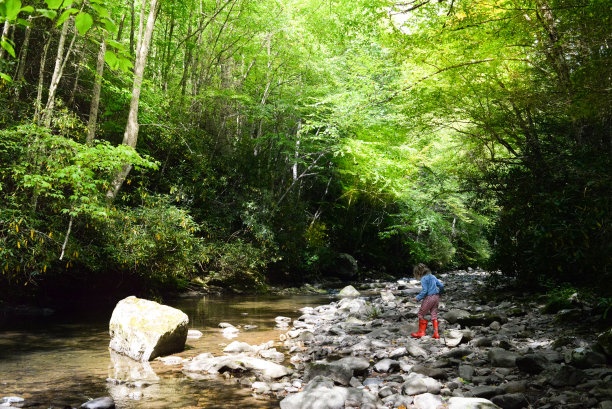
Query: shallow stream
(60, 361)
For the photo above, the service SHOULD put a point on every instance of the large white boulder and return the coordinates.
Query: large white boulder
(144, 330)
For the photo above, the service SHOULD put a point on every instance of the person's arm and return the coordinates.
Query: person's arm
(439, 284)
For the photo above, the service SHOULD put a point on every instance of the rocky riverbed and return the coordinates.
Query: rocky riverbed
(357, 352)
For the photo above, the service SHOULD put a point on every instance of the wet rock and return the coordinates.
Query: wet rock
(99, 403)
(207, 364)
(144, 330)
(9, 400)
(237, 347)
(194, 334)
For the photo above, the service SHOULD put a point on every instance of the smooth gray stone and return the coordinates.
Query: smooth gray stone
(99, 403)
(511, 401)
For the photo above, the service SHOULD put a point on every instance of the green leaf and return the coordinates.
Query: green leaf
(23, 23)
(5, 77)
(27, 9)
(110, 25)
(65, 15)
(50, 14)
(111, 59)
(125, 64)
(115, 44)
(67, 3)
(83, 23)
(8, 47)
(12, 9)
(102, 12)
(54, 4)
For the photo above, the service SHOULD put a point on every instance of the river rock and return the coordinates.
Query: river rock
(604, 342)
(348, 292)
(501, 357)
(584, 358)
(453, 315)
(194, 334)
(143, 329)
(358, 365)
(99, 403)
(470, 403)
(208, 364)
(427, 401)
(452, 337)
(531, 363)
(511, 401)
(338, 372)
(566, 375)
(238, 347)
(387, 365)
(320, 393)
(9, 400)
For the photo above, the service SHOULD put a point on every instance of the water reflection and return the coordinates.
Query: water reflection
(63, 361)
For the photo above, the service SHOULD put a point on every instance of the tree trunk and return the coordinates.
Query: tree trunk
(95, 99)
(60, 63)
(5, 31)
(297, 150)
(23, 54)
(41, 76)
(130, 137)
(132, 23)
(120, 30)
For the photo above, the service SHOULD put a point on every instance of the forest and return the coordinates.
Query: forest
(152, 145)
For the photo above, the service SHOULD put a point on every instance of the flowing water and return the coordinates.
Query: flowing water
(60, 361)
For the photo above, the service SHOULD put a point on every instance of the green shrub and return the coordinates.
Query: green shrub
(155, 240)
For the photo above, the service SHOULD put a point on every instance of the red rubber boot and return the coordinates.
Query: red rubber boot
(422, 327)
(435, 325)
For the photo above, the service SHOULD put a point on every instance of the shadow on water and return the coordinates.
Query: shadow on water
(63, 360)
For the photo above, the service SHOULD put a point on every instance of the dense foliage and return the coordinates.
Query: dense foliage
(271, 138)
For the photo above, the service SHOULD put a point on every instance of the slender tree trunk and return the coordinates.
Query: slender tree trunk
(130, 137)
(76, 81)
(60, 63)
(120, 30)
(95, 99)
(5, 31)
(23, 54)
(41, 76)
(132, 24)
(297, 150)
